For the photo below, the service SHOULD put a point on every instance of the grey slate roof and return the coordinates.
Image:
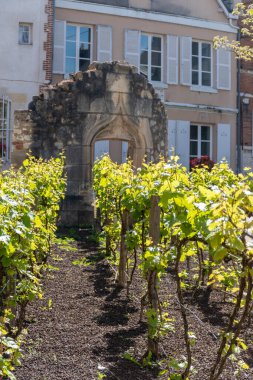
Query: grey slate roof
(228, 4)
(156, 5)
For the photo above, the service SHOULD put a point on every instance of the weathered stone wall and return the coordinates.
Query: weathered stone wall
(109, 101)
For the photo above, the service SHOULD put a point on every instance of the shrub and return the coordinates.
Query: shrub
(202, 162)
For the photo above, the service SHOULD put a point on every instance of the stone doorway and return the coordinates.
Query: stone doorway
(111, 107)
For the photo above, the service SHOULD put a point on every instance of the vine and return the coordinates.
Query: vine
(29, 205)
(202, 230)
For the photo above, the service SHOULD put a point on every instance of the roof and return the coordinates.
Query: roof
(160, 5)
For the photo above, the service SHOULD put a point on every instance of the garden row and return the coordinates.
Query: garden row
(198, 225)
(29, 204)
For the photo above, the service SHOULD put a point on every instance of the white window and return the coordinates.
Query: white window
(201, 64)
(5, 130)
(78, 48)
(151, 57)
(25, 33)
(200, 141)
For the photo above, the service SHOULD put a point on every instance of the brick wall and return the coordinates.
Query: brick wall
(246, 92)
(48, 44)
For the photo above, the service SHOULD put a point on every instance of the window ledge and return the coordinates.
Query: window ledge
(159, 85)
(25, 44)
(210, 90)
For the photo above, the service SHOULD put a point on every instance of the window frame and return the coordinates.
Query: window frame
(149, 35)
(200, 71)
(30, 30)
(199, 141)
(77, 57)
(5, 126)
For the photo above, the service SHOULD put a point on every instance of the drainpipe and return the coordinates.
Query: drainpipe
(239, 126)
(238, 119)
(52, 56)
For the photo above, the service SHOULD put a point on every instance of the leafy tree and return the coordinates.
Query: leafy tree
(245, 14)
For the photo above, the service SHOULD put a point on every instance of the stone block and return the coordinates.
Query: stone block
(83, 103)
(98, 104)
(74, 154)
(73, 187)
(117, 83)
(68, 218)
(143, 108)
(75, 172)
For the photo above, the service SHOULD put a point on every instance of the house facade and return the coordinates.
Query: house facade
(171, 43)
(26, 60)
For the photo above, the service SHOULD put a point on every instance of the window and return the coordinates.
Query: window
(5, 128)
(78, 48)
(201, 64)
(25, 33)
(200, 141)
(151, 57)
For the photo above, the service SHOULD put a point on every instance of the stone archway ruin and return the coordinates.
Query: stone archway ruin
(110, 101)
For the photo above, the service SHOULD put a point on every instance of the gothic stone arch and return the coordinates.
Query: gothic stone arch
(109, 101)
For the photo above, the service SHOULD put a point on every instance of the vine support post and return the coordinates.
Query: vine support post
(154, 232)
(107, 239)
(185, 375)
(1, 288)
(122, 280)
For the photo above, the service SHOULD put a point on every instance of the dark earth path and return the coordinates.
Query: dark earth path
(84, 325)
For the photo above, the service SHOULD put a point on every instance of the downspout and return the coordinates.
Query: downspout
(238, 102)
(52, 54)
(239, 126)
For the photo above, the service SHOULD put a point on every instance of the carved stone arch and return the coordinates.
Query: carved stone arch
(120, 127)
(108, 101)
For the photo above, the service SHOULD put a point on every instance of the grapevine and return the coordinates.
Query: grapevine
(29, 205)
(197, 223)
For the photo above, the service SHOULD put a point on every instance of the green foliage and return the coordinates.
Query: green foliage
(128, 356)
(101, 376)
(206, 219)
(29, 205)
(245, 12)
(9, 350)
(82, 262)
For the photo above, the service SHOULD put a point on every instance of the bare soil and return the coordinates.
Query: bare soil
(85, 324)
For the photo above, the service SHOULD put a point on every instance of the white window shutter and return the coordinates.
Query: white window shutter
(59, 47)
(223, 69)
(132, 47)
(183, 142)
(224, 144)
(172, 59)
(104, 43)
(172, 137)
(186, 60)
(101, 148)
